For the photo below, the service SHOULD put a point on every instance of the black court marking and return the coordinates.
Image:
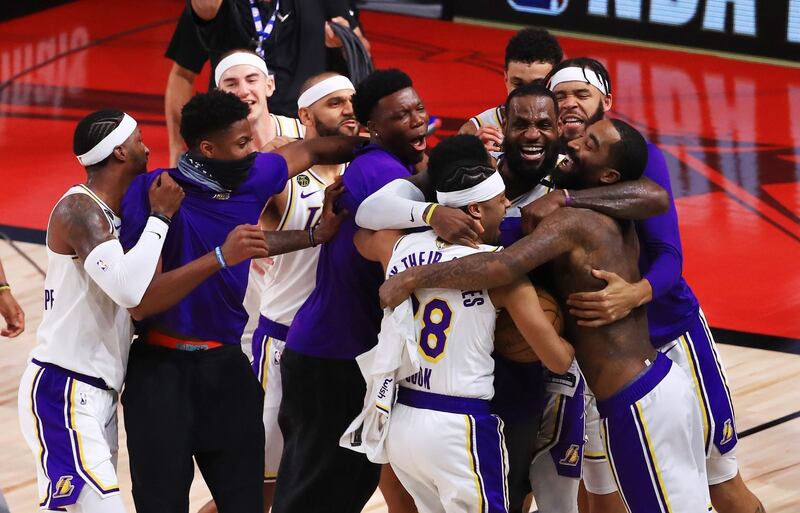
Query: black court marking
(756, 341)
(20, 234)
(770, 424)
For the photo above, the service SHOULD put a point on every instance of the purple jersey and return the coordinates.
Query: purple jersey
(341, 318)
(213, 310)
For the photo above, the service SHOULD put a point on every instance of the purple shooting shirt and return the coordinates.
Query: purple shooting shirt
(213, 310)
(342, 316)
(674, 305)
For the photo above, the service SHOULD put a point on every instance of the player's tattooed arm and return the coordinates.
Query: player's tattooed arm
(302, 155)
(557, 235)
(78, 225)
(280, 242)
(634, 200)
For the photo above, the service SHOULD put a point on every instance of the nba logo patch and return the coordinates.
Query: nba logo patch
(546, 7)
(64, 487)
(572, 456)
(302, 180)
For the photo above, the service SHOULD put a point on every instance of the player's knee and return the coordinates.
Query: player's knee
(608, 503)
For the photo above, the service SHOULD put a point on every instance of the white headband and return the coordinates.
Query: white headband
(575, 74)
(106, 146)
(323, 89)
(235, 59)
(483, 191)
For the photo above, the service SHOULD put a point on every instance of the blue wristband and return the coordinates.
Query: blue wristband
(220, 258)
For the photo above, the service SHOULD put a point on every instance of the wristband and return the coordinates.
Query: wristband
(220, 258)
(311, 237)
(567, 198)
(167, 220)
(5, 286)
(426, 216)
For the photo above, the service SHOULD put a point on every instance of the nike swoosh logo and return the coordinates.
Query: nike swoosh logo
(412, 215)
(304, 195)
(156, 233)
(283, 18)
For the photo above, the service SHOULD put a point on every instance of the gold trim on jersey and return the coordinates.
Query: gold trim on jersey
(287, 211)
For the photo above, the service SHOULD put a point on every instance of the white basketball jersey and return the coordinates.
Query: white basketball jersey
(544, 186)
(455, 327)
(291, 279)
(494, 116)
(288, 127)
(83, 330)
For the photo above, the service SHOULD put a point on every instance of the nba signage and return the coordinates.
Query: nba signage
(768, 28)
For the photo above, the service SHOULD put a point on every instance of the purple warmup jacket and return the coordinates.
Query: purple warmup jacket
(342, 316)
(214, 310)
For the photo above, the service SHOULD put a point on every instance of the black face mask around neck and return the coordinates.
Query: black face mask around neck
(218, 175)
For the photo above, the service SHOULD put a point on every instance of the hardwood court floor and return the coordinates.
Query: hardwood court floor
(764, 385)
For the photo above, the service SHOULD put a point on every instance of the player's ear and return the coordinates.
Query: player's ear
(304, 115)
(607, 101)
(207, 149)
(120, 153)
(610, 176)
(270, 86)
(474, 210)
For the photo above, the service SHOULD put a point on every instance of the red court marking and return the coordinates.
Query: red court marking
(787, 194)
(737, 191)
(736, 263)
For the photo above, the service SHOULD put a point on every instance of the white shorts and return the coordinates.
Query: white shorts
(554, 491)
(267, 350)
(653, 437)
(449, 461)
(71, 427)
(695, 352)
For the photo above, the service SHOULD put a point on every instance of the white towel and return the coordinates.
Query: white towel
(564, 384)
(392, 359)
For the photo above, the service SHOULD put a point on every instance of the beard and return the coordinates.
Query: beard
(570, 179)
(521, 168)
(324, 130)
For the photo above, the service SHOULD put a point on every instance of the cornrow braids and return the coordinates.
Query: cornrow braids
(94, 128)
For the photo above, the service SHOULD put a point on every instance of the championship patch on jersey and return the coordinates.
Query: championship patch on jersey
(302, 180)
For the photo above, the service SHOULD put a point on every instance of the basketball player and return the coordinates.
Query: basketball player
(530, 55)
(244, 73)
(427, 439)
(651, 424)
(323, 389)
(68, 394)
(325, 108)
(187, 366)
(10, 310)
(530, 151)
(677, 325)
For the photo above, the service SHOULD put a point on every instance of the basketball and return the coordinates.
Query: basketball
(510, 344)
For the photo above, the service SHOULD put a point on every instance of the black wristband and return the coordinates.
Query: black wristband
(311, 236)
(164, 218)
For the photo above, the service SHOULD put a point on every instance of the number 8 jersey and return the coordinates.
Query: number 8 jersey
(455, 328)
